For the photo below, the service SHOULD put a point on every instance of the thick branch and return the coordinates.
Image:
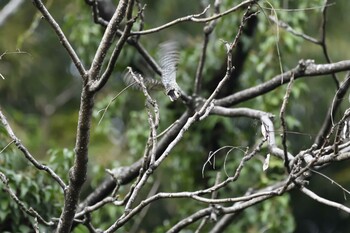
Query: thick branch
(304, 69)
(77, 174)
(116, 52)
(129, 173)
(107, 40)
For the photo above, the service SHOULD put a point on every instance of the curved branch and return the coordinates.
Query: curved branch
(266, 121)
(194, 18)
(324, 201)
(236, 208)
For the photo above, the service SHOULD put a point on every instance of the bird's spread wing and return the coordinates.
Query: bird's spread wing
(169, 58)
(150, 83)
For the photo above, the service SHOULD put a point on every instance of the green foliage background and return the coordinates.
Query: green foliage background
(35, 78)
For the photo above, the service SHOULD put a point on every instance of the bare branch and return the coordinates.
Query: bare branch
(129, 173)
(143, 213)
(207, 30)
(117, 50)
(97, 206)
(195, 18)
(27, 154)
(324, 200)
(77, 174)
(190, 219)
(64, 41)
(237, 207)
(146, 56)
(255, 114)
(106, 41)
(102, 10)
(30, 211)
(305, 68)
(332, 181)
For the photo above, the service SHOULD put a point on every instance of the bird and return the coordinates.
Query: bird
(168, 59)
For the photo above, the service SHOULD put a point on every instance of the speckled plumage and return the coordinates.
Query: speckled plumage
(150, 83)
(169, 58)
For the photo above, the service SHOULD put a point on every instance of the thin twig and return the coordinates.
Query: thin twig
(288, 28)
(207, 30)
(104, 110)
(323, 40)
(189, 220)
(137, 224)
(8, 144)
(331, 180)
(283, 124)
(153, 135)
(97, 206)
(202, 224)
